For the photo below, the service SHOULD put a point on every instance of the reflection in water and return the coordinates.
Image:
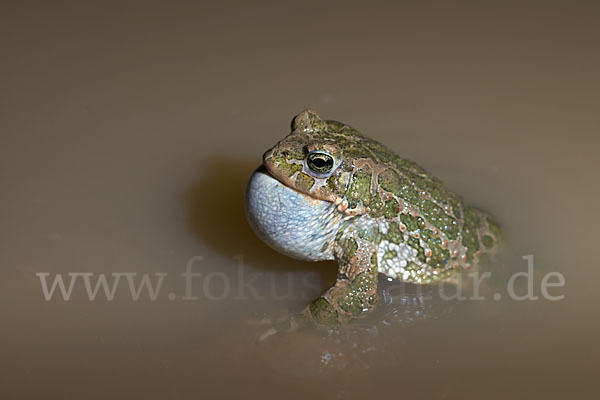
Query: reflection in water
(410, 321)
(375, 340)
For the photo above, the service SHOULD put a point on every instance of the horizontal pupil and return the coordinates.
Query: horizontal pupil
(321, 163)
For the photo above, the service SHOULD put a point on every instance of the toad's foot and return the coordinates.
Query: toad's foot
(353, 294)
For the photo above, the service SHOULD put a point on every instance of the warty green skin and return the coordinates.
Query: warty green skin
(398, 219)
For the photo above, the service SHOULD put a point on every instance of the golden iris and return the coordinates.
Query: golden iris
(319, 162)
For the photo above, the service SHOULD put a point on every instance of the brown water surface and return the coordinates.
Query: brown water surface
(128, 131)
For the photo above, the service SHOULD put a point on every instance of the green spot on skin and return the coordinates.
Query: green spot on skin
(350, 247)
(470, 232)
(392, 182)
(359, 189)
(394, 233)
(487, 241)
(440, 219)
(351, 303)
(364, 281)
(304, 182)
(374, 259)
(339, 234)
(376, 206)
(323, 312)
(335, 184)
(493, 227)
(436, 189)
(334, 126)
(391, 209)
(412, 223)
(439, 256)
(288, 169)
(416, 244)
(388, 255)
(371, 235)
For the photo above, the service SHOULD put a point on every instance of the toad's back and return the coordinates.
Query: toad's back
(423, 232)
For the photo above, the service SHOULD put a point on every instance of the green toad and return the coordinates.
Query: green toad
(327, 192)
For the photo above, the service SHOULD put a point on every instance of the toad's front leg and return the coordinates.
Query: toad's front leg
(354, 292)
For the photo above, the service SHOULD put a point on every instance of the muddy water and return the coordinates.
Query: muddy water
(127, 134)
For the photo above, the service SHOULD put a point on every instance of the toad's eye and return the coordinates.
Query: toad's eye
(319, 162)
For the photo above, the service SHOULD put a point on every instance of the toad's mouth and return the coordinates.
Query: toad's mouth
(287, 183)
(291, 222)
(272, 167)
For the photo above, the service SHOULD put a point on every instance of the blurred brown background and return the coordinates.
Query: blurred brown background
(127, 133)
